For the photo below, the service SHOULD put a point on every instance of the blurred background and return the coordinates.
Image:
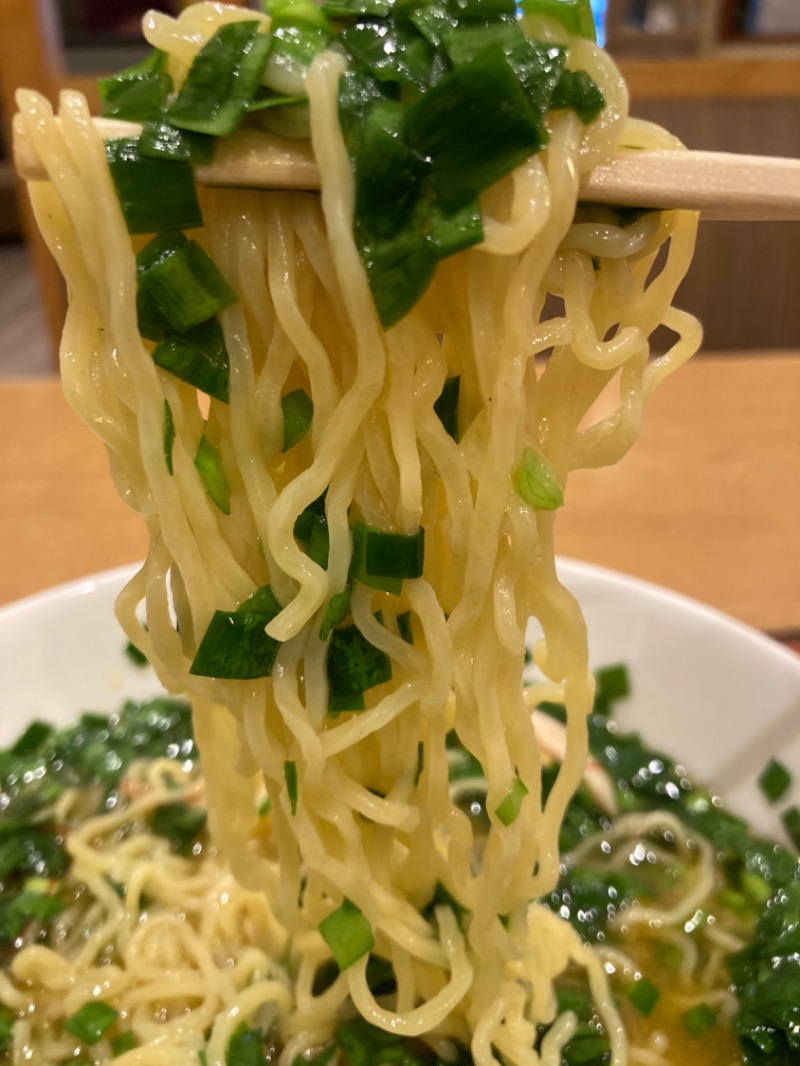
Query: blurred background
(721, 74)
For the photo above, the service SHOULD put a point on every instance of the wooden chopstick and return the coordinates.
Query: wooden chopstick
(720, 185)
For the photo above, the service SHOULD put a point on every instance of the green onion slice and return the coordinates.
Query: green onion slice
(774, 780)
(235, 645)
(509, 807)
(154, 194)
(335, 613)
(698, 1020)
(169, 436)
(290, 774)
(575, 16)
(160, 140)
(222, 80)
(446, 406)
(298, 411)
(354, 665)
(536, 482)
(182, 280)
(91, 1021)
(139, 93)
(212, 474)
(199, 356)
(643, 995)
(382, 560)
(347, 933)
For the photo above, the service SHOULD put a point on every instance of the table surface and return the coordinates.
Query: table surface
(707, 503)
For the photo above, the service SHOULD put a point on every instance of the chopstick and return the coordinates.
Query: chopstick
(721, 185)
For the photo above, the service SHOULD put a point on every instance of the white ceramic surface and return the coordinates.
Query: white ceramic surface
(707, 689)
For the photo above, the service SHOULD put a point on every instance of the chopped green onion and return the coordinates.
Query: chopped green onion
(698, 1020)
(246, 1048)
(388, 174)
(774, 780)
(335, 613)
(29, 906)
(356, 8)
(433, 20)
(347, 933)
(290, 774)
(446, 406)
(644, 995)
(791, 823)
(7, 1019)
(536, 482)
(124, 1042)
(169, 436)
(483, 9)
(298, 411)
(139, 93)
(199, 356)
(451, 233)
(209, 467)
(137, 657)
(399, 270)
(391, 51)
(179, 823)
(382, 560)
(404, 627)
(177, 275)
(296, 13)
(311, 532)
(91, 1021)
(509, 807)
(222, 80)
(160, 140)
(154, 194)
(235, 644)
(574, 15)
(266, 99)
(475, 126)
(467, 40)
(613, 682)
(292, 53)
(354, 665)
(32, 738)
(577, 92)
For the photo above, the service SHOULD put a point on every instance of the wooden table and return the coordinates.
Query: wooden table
(707, 503)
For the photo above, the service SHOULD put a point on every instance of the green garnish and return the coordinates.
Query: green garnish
(154, 194)
(698, 1020)
(91, 1021)
(182, 281)
(247, 1048)
(180, 824)
(791, 823)
(199, 357)
(28, 906)
(160, 140)
(139, 93)
(311, 532)
(298, 411)
(536, 482)
(774, 780)
(290, 774)
(354, 665)
(446, 406)
(235, 645)
(509, 807)
(337, 610)
(643, 995)
(222, 80)
(209, 467)
(577, 92)
(124, 1042)
(347, 933)
(574, 15)
(613, 682)
(169, 439)
(382, 560)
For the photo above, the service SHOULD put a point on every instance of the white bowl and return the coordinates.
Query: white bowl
(709, 691)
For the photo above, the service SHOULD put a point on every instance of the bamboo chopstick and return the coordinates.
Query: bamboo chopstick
(721, 185)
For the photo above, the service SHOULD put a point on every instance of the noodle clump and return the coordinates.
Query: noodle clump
(551, 309)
